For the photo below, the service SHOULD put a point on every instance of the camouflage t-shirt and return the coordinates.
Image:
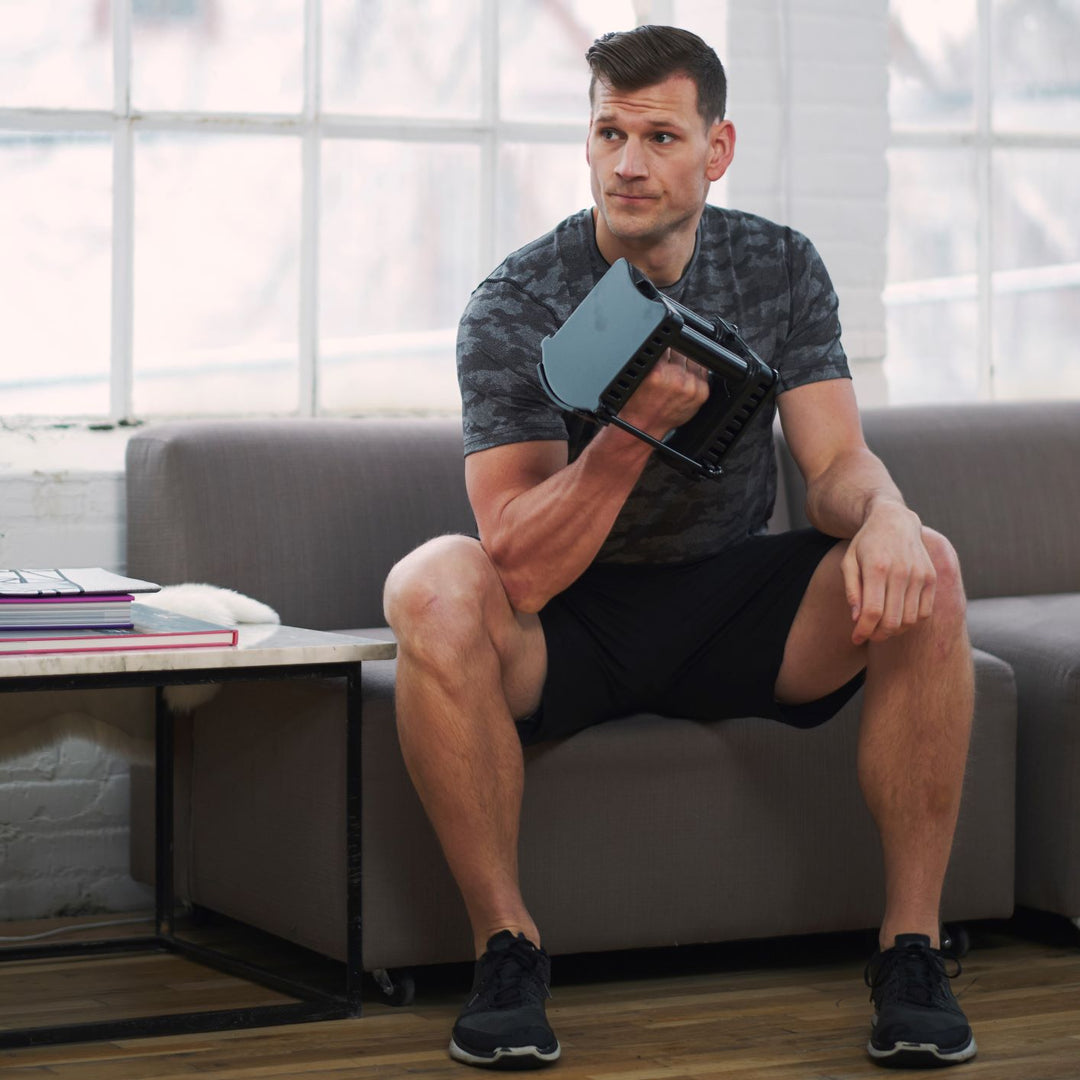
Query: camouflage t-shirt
(766, 279)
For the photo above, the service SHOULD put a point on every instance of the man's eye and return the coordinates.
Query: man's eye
(608, 134)
(663, 138)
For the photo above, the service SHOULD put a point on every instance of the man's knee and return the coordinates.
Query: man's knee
(439, 588)
(949, 599)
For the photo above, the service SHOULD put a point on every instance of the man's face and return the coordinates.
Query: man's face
(652, 158)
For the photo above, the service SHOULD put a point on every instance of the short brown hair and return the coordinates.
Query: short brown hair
(647, 55)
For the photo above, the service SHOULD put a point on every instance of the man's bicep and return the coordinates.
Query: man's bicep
(821, 423)
(495, 477)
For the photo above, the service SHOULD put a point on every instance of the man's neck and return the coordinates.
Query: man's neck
(663, 263)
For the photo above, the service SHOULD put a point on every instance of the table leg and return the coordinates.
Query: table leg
(353, 843)
(164, 829)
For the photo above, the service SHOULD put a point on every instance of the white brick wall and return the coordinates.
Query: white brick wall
(809, 99)
(64, 834)
(63, 810)
(809, 102)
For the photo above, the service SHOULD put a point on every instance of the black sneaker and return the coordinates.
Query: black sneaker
(503, 1025)
(917, 1023)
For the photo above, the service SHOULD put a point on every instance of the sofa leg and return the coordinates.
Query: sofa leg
(955, 939)
(398, 986)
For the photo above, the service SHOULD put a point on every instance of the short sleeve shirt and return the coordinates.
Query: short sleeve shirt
(766, 279)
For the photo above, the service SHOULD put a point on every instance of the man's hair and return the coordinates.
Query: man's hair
(647, 55)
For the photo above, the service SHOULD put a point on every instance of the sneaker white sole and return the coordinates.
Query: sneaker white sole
(925, 1055)
(507, 1057)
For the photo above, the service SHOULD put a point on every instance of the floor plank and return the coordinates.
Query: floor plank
(770, 1011)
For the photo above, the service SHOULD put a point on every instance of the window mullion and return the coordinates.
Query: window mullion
(489, 146)
(984, 335)
(123, 209)
(308, 390)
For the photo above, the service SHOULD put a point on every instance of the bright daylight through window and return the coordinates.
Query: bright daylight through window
(983, 297)
(273, 206)
(281, 206)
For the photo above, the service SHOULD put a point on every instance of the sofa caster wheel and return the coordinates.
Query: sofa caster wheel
(398, 986)
(955, 940)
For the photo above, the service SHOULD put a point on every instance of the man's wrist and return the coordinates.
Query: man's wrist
(885, 505)
(620, 445)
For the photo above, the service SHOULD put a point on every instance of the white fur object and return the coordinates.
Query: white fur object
(227, 607)
(122, 720)
(212, 603)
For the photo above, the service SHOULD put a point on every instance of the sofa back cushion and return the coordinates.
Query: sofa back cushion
(305, 515)
(1001, 481)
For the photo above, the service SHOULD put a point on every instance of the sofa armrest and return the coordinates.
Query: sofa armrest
(306, 515)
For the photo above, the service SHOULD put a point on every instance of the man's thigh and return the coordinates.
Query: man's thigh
(445, 599)
(703, 640)
(819, 655)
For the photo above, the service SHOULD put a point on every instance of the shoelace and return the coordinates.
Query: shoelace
(512, 977)
(919, 973)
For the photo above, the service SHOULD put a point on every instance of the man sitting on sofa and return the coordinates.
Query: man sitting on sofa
(605, 583)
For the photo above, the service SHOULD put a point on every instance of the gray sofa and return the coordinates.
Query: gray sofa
(643, 832)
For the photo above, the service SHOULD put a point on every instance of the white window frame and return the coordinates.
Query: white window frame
(311, 126)
(982, 141)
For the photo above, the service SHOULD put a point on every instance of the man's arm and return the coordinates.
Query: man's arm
(541, 520)
(888, 575)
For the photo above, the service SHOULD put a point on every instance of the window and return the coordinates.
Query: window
(276, 206)
(983, 298)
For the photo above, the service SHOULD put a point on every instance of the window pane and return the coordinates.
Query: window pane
(1037, 273)
(240, 56)
(391, 59)
(540, 184)
(1036, 208)
(397, 263)
(217, 242)
(932, 63)
(1036, 65)
(932, 214)
(1035, 336)
(56, 54)
(55, 268)
(931, 352)
(930, 296)
(542, 69)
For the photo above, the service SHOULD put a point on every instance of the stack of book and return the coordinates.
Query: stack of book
(91, 610)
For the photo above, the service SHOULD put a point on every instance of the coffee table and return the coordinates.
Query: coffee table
(263, 652)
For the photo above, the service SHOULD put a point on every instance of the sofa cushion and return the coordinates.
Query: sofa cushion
(1039, 636)
(641, 832)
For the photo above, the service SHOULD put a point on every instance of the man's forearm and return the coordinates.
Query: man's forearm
(546, 536)
(839, 500)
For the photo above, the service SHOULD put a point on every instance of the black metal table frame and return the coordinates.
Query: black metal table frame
(313, 1002)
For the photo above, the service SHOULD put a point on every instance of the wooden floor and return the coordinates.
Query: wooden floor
(778, 1009)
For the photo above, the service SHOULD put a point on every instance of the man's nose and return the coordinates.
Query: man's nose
(631, 164)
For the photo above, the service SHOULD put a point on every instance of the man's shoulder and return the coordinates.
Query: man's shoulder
(742, 229)
(544, 275)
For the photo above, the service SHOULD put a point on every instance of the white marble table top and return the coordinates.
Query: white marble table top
(259, 645)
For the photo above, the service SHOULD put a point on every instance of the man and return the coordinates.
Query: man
(513, 638)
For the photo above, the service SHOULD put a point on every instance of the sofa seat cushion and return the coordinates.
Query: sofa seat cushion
(1039, 636)
(636, 833)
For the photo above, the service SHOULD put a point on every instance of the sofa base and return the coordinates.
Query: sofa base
(629, 829)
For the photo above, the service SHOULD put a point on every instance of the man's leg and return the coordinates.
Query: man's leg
(913, 741)
(468, 664)
(915, 726)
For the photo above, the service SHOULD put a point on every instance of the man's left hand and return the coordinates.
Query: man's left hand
(888, 575)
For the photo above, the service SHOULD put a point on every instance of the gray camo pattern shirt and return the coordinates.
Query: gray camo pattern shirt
(767, 279)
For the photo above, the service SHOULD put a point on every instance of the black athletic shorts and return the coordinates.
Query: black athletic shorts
(701, 640)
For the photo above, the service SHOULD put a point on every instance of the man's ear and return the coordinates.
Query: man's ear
(721, 149)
